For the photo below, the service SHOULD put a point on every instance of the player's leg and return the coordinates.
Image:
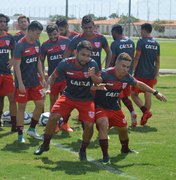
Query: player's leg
(61, 108)
(103, 125)
(13, 111)
(20, 121)
(86, 116)
(1, 109)
(39, 105)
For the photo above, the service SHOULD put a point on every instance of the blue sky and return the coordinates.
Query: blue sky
(143, 9)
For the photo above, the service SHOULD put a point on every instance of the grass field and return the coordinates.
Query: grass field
(155, 142)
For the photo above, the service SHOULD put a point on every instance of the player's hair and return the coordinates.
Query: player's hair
(147, 27)
(23, 17)
(86, 20)
(35, 25)
(123, 57)
(61, 22)
(84, 45)
(4, 16)
(51, 27)
(117, 28)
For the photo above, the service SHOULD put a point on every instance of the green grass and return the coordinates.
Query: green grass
(155, 142)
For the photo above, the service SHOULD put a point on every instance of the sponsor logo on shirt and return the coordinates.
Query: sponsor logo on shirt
(56, 57)
(148, 46)
(4, 51)
(80, 83)
(125, 46)
(31, 60)
(112, 94)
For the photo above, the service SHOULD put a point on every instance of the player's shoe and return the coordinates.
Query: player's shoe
(133, 119)
(41, 149)
(145, 117)
(65, 126)
(56, 128)
(33, 133)
(106, 161)
(82, 156)
(21, 139)
(129, 151)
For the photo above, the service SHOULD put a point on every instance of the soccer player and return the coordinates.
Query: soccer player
(146, 68)
(108, 111)
(119, 45)
(6, 79)
(27, 66)
(23, 23)
(98, 42)
(64, 28)
(77, 95)
(53, 49)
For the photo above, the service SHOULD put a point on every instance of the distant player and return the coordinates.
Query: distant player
(123, 44)
(64, 29)
(7, 45)
(54, 49)
(23, 23)
(98, 42)
(146, 68)
(28, 87)
(77, 95)
(108, 111)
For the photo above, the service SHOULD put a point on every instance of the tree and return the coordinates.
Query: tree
(124, 19)
(113, 16)
(159, 26)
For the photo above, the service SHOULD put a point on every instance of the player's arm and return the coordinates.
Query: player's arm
(157, 66)
(17, 70)
(142, 86)
(41, 72)
(96, 78)
(51, 80)
(108, 56)
(113, 59)
(136, 60)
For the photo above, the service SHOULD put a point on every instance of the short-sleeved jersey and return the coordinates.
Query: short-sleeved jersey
(29, 56)
(78, 79)
(72, 35)
(121, 45)
(54, 52)
(98, 42)
(18, 36)
(109, 99)
(149, 49)
(7, 43)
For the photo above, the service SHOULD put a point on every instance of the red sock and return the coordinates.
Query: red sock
(104, 147)
(84, 146)
(33, 123)
(125, 147)
(128, 103)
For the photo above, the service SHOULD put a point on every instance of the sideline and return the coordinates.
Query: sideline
(98, 164)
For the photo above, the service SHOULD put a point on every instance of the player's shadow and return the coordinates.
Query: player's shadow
(17, 147)
(143, 129)
(68, 167)
(5, 134)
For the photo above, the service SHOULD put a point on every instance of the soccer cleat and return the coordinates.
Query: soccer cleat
(82, 156)
(56, 128)
(106, 161)
(41, 149)
(21, 139)
(129, 151)
(33, 133)
(133, 119)
(65, 126)
(145, 117)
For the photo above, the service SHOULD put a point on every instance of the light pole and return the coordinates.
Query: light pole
(66, 9)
